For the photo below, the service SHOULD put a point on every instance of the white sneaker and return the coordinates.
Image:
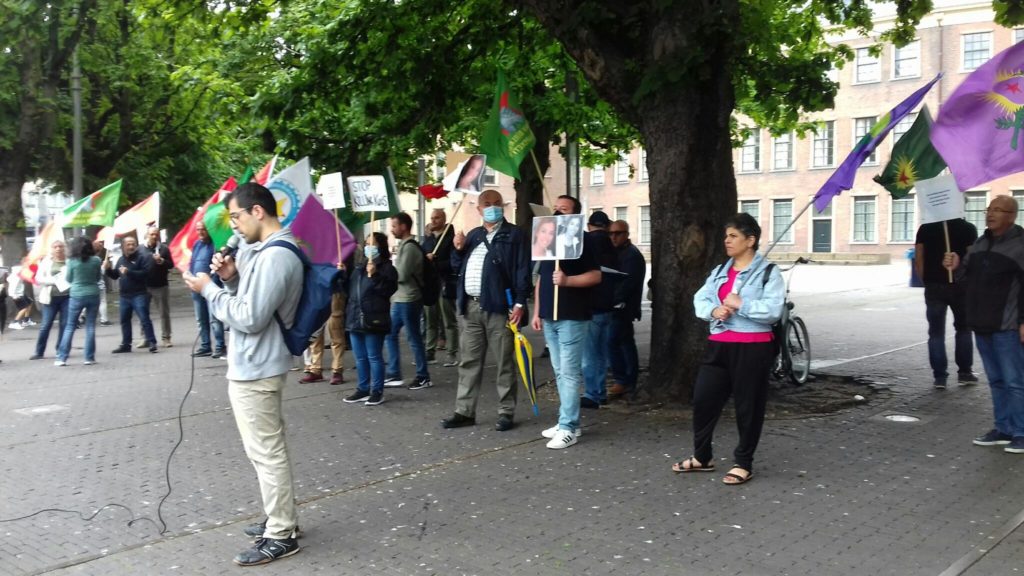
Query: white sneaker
(89, 362)
(550, 432)
(30, 322)
(393, 383)
(16, 326)
(60, 363)
(562, 439)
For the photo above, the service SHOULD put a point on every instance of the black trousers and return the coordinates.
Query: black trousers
(732, 369)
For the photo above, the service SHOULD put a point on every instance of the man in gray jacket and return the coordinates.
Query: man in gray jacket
(259, 281)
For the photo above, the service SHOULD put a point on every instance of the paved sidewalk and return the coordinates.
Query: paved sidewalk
(385, 490)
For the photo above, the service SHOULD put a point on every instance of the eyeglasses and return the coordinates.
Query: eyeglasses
(1003, 210)
(236, 215)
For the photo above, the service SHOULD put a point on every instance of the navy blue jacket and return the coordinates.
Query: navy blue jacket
(507, 266)
(369, 295)
(443, 260)
(134, 281)
(630, 290)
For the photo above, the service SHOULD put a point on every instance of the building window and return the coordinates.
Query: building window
(645, 224)
(824, 145)
(903, 126)
(644, 175)
(752, 207)
(622, 213)
(782, 152)
(977, 49)
(1018, 35)
(863, 219)
(490, 177)
(974, 209)
(622, 170)
(907, 61)
(595, 209)
(867, 67)
(1018, 195)
(903, 219)
(750, 154)
(782, 215)
(862, 126)
(597, 176)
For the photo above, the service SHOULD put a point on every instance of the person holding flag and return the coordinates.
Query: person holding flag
(52, 292)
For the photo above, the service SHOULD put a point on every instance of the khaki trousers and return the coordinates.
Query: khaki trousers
(257, 408)
(481, 331)
(336, 328)
(442, 321)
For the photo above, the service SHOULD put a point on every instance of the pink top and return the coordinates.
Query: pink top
(729, 335)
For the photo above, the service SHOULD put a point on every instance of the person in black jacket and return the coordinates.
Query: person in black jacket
(493, 258)
(595, 349)
(629, 290)
(157, 284)
(368, 317)
(441, 316)
(132, 270)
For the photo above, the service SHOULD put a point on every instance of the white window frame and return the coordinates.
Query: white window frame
(789, 238)
(1018, 35)
(873, 198)
(831, 125)
(1018, 193)
(863, 57)
(621, 174)
(594, 179)
(872, 159)
(963, 49)
(907, 121)
(792, 145)
(896, 59)
(750, 152)
(644, 174)
(757, 205)
(640, 225)
(976, 195)
(490, 176)
(893, 202)
(625, 217)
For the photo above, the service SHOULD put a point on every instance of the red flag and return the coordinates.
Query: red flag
(265, 173)
(433, 191)
(181, 245)
(46, 237)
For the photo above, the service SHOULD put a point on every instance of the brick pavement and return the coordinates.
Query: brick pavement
(386, 491)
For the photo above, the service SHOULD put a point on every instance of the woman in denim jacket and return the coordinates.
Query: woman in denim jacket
(741, 299)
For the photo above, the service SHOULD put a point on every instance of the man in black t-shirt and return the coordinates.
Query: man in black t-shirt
(940, 292)
(567, 334)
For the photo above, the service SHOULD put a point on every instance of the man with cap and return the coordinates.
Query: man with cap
(595, 348)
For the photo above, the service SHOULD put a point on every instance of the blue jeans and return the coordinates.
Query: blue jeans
(207, 321)
(1003, 357)
(366, 349)
(139, 303)
(58, 305)
(565, 340)
(937, 297)
(91, 305)
(595, 357)
(406, 314)
(622, 353)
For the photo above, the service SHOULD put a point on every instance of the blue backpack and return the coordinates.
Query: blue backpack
(319, 283)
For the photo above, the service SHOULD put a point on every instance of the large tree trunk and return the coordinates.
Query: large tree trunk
(666, 69)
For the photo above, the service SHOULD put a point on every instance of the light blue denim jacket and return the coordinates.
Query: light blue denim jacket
(762, 302)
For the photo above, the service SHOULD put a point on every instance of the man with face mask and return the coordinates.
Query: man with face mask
(491, 259)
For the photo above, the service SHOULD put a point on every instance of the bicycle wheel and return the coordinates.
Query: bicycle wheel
(799, 345)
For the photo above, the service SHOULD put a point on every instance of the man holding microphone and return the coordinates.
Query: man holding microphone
(260, 281)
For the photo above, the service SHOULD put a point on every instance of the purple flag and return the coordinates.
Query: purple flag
(978, 131)
(314, 230)
(842, 178)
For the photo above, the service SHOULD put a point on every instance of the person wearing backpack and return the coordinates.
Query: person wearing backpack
(407, 306)
(261, 281)
(368, 317)
(741, 299)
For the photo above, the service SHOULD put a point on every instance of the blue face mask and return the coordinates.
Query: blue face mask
(371, 252)
(493, 214)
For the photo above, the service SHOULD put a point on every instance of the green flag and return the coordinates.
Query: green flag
(249, 173)
(913, 158)
(96, 209)
(218, 224)
(507, 139)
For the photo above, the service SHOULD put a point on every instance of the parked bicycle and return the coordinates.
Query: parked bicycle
(794, 359)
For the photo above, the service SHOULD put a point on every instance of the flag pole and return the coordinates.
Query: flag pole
(945, 232)
(540, 176)
(558, 268)
(337, 235)
(448, 225)
(738, 284)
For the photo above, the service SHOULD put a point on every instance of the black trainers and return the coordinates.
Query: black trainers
(504, 423)
(966, 378)
(152, 347)
(992, 438)
(457, 421)
(356, 396)
(940, 383)
(219, 353)
(420, 383)
(122, 350)
(267, 550)
(201, 353)
(375, 398)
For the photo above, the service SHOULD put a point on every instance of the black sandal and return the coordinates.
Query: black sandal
(681, 468)
(737, 479)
